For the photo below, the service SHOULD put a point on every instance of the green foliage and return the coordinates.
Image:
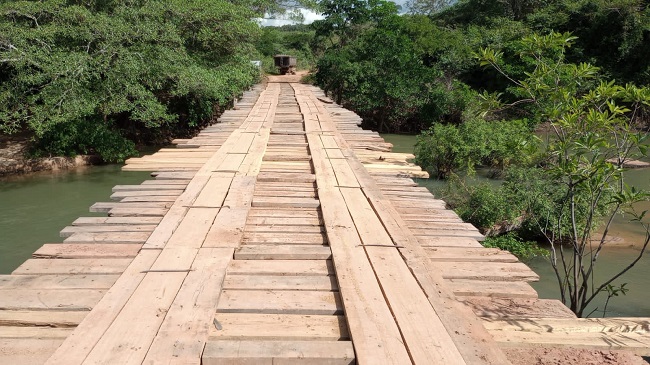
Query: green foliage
(487, 207)
(445, 149)
(135, 69)
(524, 250)
(593, 135)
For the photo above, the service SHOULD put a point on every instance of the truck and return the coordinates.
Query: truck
(285, 63)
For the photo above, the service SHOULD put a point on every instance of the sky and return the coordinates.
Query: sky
(309, 15)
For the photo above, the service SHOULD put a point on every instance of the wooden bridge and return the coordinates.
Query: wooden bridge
(284, 234)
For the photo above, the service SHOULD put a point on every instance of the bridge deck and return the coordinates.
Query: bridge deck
(283, 234)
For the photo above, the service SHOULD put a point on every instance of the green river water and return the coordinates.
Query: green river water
(637, 301)
(35, 207)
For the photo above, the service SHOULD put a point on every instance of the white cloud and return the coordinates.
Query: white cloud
(309, 16)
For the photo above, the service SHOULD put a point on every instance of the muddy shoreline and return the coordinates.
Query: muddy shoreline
(13, 160)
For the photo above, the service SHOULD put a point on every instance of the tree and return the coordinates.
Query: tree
(594, 135)
(97, 76)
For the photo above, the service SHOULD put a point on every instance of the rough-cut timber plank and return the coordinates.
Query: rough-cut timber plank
(275, 282)
(262, 326)
(92, 221)
(517, 308)
(44, 299)
(57, 281)
(448, 254)
(185, 329)
(495, 271)
(85, 250)
(377, 337)
(278, 352)
(283, 252)
(423, 332)
(193, 228)
(281, 267)
(28, 351)
(41, 318)
(483, 288)
(280, 302)
(70, 230)
(80, 342)
(634, 342)
(129, 336)
(282, 221)
(72, 266)
(570, 325)
(108, 237)
(285, 238)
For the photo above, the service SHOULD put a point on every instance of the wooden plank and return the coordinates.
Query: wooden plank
(345, 177)
(85, 221)
(485, 288)
(148, 198)
(128, 338)
(214, 192)
(41, 318)
(28, 351)
(633, 342)
(185, 329)
(72, 266)
(85, 251)
(284, 202)
(516, 308)
(422, 330)
(108, 237)
(447, 241)
(194, 227)
(570, 325)
(263, 326)
(57, 281)
(285, 238)
(70, 230)
(105, 207)
(280, 302)
(137, 212)
(282, 221)
(494, 271)
(469, 254)
(148, 187)
(231, 163)
(80, 342)
(375, 335)
(33, 333)
(281, 267)
(286, 177)
(278, 352)
(283, 252)
(119, 195)
(275, 282)
(227, 230)
(44, 299)
(284, 228)
(285, 213)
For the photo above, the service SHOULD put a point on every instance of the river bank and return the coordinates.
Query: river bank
(14, 160)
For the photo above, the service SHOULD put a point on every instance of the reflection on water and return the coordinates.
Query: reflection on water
(35, 207)
(637, 301)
